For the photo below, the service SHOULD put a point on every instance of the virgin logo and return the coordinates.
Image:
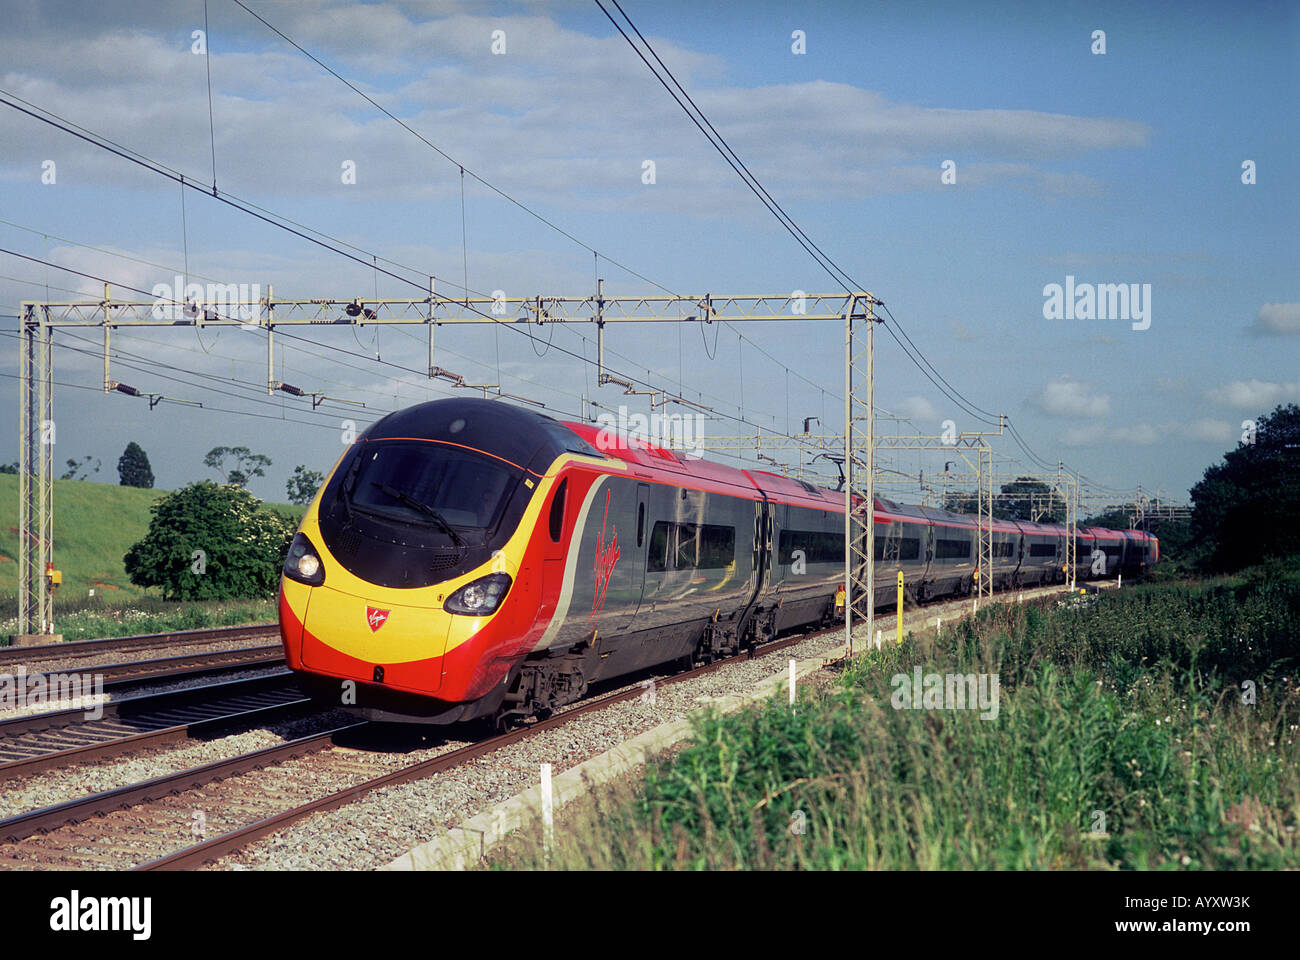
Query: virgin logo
(606, 556)
(375, 618)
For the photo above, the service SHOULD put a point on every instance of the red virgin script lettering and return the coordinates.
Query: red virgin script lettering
(606, 556)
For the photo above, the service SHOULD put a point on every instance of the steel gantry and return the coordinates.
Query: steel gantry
(229, 306)
(1060, 485)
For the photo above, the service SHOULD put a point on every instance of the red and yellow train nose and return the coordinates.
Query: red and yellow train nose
(336, 625)
(373, 639)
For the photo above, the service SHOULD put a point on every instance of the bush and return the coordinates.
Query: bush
(210, 542)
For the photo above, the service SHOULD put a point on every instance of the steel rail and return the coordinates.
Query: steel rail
(18, 828)
(33, 742)
(144, 641)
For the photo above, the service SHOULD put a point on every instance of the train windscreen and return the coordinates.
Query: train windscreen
(429, 483)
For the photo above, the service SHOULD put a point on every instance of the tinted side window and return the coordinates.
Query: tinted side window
(557, 511)
(952, 549)
(658, 558)
(691, 546)
(817, 546)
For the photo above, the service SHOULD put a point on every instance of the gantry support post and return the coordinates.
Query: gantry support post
(848, 480)
(36, 474)
(432, 281)
(984, 552)
(270, 343)
(859, 460)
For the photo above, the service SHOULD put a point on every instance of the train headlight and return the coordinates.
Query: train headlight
(303, 563)
(480, 598)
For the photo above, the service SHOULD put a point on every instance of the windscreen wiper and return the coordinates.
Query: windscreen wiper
(423, 507)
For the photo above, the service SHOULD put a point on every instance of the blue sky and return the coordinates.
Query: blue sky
(1121, 168)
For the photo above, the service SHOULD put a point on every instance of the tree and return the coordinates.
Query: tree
(9, 467)
(245, 464)
(76, 467)
(133, 467)
(211, 542)
(1022, 499)
(1026, 499)
(1247, 508)
(302, 486)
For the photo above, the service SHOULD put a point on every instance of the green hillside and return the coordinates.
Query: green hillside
(94, 525)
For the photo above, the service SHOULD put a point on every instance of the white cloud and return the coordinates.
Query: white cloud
(1278, 319)
(919, 409)
(1084, 436)
(1254, 395)
(564, 114)
(1136, 435)
(1067, 397)
(1209, 431)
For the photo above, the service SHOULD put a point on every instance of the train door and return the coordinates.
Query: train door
(644, 565)
(764, 543)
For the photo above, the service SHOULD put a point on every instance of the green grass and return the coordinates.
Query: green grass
(91, 618)
(1129, 708)
(94, 525)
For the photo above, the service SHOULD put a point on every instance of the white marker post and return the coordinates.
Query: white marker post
(938, 626)
(878, 641)
(792, 683)
(1119, 584)
(548, 810)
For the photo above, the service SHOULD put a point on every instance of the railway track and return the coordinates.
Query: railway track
(150, 825)
(116, 676)
(64, 652)
(36, 742)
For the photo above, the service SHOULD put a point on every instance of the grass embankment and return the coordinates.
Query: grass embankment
(1122, 740)
(94, 525)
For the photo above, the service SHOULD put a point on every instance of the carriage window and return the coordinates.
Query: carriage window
(1042, 549)
(952, 549)
(691, 546)
(818, 546)
(557, 511)
(909, 548)
(658, 559)
(717, 546)
(640, 524)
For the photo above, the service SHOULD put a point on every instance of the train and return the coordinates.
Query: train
(469, 560)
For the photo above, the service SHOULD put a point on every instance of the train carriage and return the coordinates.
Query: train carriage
(1107, 555)
(468, 559)
(1043, 554)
